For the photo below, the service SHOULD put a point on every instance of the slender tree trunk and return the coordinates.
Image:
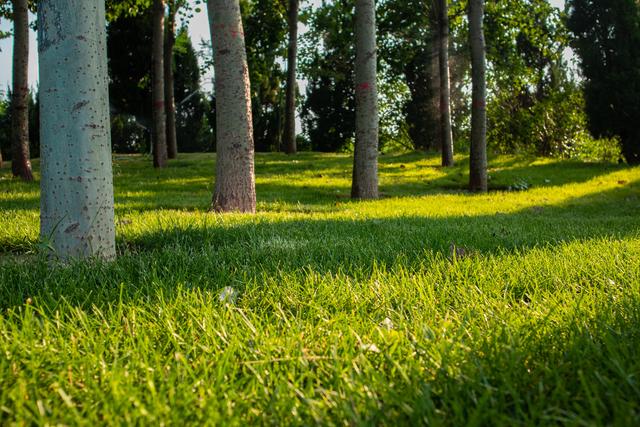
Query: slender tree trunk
(157, 91)
(235, 188)
(365, 165)
(446, 134)
(21, 163)
(292, 84)
(169, 97)
(77, 184)
(478, 165)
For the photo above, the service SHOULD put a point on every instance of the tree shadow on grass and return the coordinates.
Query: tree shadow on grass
(211, 253)
(401, 176)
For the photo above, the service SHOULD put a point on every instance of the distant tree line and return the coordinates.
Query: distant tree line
(98, 80)
(536, 102)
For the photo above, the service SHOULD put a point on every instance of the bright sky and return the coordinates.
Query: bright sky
(198, 29)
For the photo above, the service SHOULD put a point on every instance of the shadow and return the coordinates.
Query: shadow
(224, 252)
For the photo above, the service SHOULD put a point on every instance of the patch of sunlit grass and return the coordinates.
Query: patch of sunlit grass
(429, 306)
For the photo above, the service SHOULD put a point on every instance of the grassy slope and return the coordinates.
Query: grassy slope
(539, 324)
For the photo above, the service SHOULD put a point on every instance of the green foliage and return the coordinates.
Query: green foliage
(327, 57)
(194, 131)
(550, 126)
(129, 47)
(598, 150)
(265, 31)
(533, 105)
(607, 40)
(5, 125)
(431, 305)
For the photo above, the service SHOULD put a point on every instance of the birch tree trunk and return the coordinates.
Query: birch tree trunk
(157, 87)
(365, 165)
(169, 95)
(446, 133)
(77, 184)
(21, 163)
(290, 113)
(478, 164)
(235, 181)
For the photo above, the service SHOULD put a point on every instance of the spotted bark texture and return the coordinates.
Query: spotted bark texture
(157, 87)
(77, 184)
(446, 133)
(365, 164)
(478, 165)
(290, 143)
(235, 180)
(21, 162)
(169, 95)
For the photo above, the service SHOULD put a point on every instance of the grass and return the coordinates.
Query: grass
(342, 312)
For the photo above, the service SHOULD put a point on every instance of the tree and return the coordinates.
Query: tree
(169, 94)
(21, 163)
(365, 164)
(77, 213)
(235, 179)
(446, 134)
(409, 44)
(292, 85)
(157, 83)
(607, 40)
(478, 161)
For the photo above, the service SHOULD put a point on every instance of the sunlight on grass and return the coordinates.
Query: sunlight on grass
(429, 306)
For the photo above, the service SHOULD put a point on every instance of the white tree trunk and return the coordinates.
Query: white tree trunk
(235, 181)
(365, 165)
(77, 215)
(478, 164)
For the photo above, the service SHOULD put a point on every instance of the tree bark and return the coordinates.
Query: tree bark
(446, 133)
(292, 83)
(157, 90)
(478, 163)
(235, 180)
(77, 216)
(169, 95)
(365, 164)
(21, 163)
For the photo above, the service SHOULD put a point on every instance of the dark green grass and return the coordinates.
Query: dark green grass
(346, 312)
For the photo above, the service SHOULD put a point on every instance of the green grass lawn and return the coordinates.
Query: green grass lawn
(343, 312)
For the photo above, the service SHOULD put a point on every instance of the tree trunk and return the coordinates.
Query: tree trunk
(235, 180)
(21, 163)
(365, 165)
(292, 83)
(478, 164)
(157, 91)
(169, 95)
(446, 134)
(77, 216)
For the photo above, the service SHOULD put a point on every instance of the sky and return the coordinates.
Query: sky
(198, 29)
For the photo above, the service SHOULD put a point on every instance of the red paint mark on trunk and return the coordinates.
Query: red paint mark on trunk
(364, 86)
(158, 104)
